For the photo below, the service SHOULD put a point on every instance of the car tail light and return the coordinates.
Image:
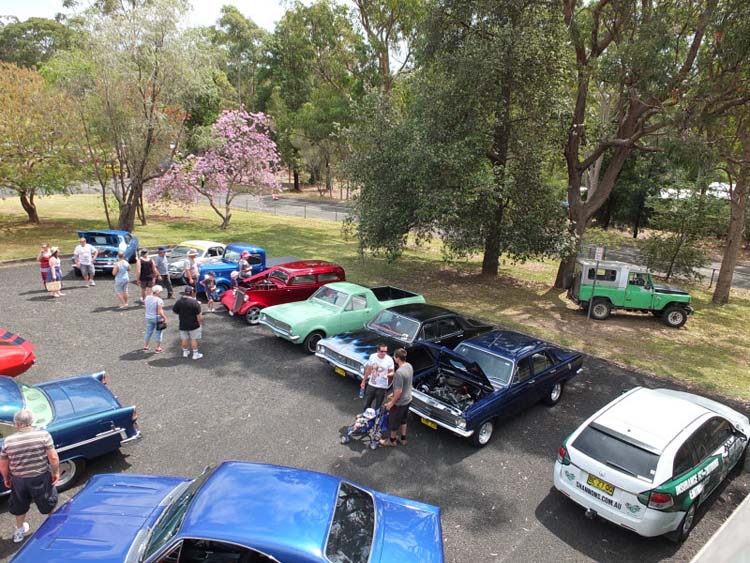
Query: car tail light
(104, 379)
(562, 456)
(134, 416)
(656, 500)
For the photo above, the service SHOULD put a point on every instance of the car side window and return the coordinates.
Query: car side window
(540, 362)
(684, 460)
(128, 238)
(637, 278)
(448, 327)
(255, 259)
(523, 370)
(430, 331)
(300, 280)
(357, 303)
(214, 252)
(327, 277)
(701, 441)
(720, 431)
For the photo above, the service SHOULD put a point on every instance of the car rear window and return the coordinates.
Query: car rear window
(353, 526)
(617, 453)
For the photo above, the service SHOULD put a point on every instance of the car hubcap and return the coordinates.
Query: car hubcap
(600, 310)
(556, 390)
(253, 315)
(67, 473)
(313, 344)
(675, 317)
(485, 432)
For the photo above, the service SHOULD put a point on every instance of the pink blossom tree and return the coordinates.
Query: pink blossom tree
(242, 159)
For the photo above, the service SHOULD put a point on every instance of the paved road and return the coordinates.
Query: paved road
(258, 398)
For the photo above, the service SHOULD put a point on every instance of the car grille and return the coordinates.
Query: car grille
(239, 297)
(426, 409)
(278, 325)
(340, 359)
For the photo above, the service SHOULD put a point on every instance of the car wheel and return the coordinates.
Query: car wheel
(483, 434)
(70, 471)
(601, 309)
(311, 342)
(674, 317)
(739, 467)
(221, 289)
(686, 525)
(553, 397)
(77, 272)
(252, 316)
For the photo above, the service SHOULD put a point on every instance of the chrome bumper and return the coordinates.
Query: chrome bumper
(457, 431)
(280, 333)
(137, 436)
(348, 369)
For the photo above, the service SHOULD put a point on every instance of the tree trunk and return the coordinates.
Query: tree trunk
(126, 220)
(296, 180)
(491, 258)
(27, 202)
(106, 207)
(734, 236)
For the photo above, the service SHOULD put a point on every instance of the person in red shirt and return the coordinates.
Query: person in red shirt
(43, 259)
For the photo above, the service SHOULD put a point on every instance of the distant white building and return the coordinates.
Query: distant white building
(719, 190)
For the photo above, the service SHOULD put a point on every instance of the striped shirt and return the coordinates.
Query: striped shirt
(26, 450)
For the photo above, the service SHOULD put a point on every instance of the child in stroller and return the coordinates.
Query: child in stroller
(369, 426)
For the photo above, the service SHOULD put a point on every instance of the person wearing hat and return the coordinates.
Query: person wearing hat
(191, 273)
(55, 270)
(244, 266)
(145, 272)
(188, 309)
(162, 268)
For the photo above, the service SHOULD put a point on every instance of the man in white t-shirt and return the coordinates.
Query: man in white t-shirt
(377, 378)
(84, 255)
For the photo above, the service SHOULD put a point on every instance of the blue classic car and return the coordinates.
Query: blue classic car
(229, 263)
(83, 416)
(238, 511)
(108, 244)
(486, 378)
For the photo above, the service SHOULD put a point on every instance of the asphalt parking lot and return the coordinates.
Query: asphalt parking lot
(255, 397)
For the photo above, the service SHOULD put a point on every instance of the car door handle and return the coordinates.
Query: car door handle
(532, 382)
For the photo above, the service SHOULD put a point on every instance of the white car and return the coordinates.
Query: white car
(208, 250)
(650, 458)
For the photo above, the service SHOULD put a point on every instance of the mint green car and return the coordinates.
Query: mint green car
(333, 309)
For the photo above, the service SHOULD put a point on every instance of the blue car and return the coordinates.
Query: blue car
(83, 416)
(108, 244)
(486, 378)
(230, 262)
(238, 511)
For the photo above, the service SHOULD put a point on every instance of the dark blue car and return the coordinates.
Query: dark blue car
(83, 416)
(108, 244)
(487, 378)
(240, 512)
(229, 263)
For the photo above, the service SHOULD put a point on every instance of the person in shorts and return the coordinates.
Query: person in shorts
(43, 259)
(145, 271)
(191, 321)
(121, 272)
(30, 468)
(398, 404)
(209, 286)
(84, 256)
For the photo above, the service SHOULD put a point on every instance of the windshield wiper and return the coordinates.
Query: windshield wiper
(620, 468)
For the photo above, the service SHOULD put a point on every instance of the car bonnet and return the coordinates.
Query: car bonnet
(458, 365)
(101, 522)
(361, 344)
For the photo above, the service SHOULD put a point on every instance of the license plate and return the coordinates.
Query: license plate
(339, 371)
(601, 485)
(428, 423)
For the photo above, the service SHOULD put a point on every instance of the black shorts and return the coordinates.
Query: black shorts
(397, 416)
(25, 489)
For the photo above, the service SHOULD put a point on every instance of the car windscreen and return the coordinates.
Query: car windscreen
(353, 526)
(395, 325)
(280, 275)
(179, 252)
(231, 255)
(37, 402)
(497, 369)
(605, 447)
(100, 239)
(330, 296)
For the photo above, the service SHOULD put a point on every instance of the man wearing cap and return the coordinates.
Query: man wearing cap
(191, 322)
(191, 273)
(162, 268)
(30, 468)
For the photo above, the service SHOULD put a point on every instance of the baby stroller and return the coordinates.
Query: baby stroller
(370, 427)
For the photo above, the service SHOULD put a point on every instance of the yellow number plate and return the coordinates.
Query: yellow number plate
(339, 371)
(429, 423)
(601, 485)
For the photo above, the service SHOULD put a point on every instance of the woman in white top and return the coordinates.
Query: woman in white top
(154, 313)
(55, 269)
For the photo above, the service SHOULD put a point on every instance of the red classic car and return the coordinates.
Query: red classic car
(293, 281)
(16, 354)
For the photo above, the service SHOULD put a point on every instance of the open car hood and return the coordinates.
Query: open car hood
(460, 366)
(669, 290)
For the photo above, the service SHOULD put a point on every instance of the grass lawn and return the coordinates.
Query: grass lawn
(710, 352)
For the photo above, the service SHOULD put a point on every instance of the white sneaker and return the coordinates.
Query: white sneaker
(185, 353)
(20, 533)
(93, 282)
(197, 355)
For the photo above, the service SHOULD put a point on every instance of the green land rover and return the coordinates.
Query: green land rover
(611, 285)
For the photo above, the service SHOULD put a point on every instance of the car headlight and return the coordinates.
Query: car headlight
(362, 369)
(320, 348)
(246, 298)
(461, 423)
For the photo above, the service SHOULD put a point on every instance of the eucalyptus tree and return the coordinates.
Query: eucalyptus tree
(32, 42)
(644, 54)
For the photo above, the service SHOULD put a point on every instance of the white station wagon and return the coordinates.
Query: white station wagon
(648, 459)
